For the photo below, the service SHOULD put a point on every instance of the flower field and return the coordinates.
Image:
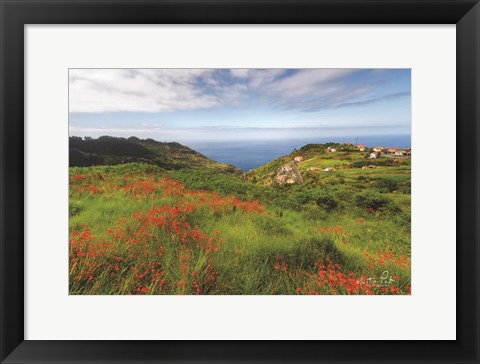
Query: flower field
(136, 229)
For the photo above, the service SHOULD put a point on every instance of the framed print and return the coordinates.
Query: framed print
(239, 181)
(182, 232)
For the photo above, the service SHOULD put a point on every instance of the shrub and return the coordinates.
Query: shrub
(386, 185)
(273, 226)
(375, 201)
(407, 190)
(314, 212)
(74, 208)
(326, 201)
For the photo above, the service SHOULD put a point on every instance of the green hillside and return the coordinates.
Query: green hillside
(140, 229)
(387, 172)
(107, 150)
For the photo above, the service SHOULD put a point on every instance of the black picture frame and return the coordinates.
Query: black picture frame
(15, 14)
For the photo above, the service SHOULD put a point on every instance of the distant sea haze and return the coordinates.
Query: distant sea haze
(248, 155)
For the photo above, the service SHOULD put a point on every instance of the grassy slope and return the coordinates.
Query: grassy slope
(347, 216)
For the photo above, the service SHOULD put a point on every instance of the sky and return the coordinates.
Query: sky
(222, 105)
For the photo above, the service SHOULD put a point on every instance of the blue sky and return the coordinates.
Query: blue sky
(186, 105)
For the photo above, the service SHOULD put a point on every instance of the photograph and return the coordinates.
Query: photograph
(239, 181)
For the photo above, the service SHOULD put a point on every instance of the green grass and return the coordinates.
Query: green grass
(280, 248)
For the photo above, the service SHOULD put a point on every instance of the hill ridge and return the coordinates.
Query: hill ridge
(108, 150)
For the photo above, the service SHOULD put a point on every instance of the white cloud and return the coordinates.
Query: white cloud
(263, 77)
(240, 72)
(165, 90)
(311, 82)
(146, 90)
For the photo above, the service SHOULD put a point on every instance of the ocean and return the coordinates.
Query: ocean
(248, 155)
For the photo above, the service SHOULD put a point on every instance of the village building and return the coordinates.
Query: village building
(298, 159)
(374, 155)
(378, 149)
(361, 147)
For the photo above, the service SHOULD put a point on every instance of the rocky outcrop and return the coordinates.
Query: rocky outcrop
(288, 174)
